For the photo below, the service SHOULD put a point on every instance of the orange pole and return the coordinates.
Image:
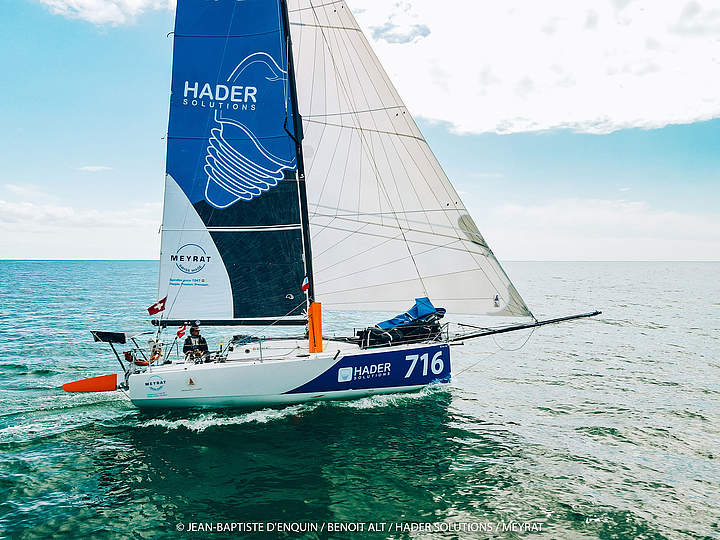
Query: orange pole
(315, 327)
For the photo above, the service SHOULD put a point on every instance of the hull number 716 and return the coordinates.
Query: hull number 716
(436, 365)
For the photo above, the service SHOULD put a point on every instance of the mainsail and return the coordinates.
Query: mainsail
(386, 224)
(232, 234)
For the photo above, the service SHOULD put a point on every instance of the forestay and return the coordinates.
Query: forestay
(386, 224)
(232, 244)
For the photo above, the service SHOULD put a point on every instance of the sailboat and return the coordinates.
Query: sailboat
(297, 181)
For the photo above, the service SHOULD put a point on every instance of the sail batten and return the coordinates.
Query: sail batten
(386, 223)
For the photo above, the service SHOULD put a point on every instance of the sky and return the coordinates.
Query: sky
(573, 130)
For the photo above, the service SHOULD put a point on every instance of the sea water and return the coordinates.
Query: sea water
(600, 428)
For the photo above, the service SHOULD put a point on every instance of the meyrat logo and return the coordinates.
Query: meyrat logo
(190, 258)
(155, 383)
(237, 165)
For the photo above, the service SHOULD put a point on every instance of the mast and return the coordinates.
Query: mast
(297, 136)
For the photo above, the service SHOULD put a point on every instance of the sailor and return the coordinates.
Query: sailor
(195, 347)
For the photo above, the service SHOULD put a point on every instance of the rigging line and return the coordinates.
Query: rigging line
(445, 274)
(332, 160)
(388, 263)
(339, 83)
(401, 300)
(354, 112)
(327, 26)
(347, 157)
(357, 254)
(339, 242)
(410, 121)
(392, 212)
(521, 346)
(392, 123)
(425, 149)
(421, 242)
(487, 355)
(372, 157)
(257, 335)
(358, 128)
(313, 7)
(349, 97)
(345, 169)
(313, 72)
(432, 161)
(324, 128)
(354, 255)
(409, 229)
(493, 263)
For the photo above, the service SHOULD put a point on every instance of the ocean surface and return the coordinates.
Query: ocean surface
(601, 428)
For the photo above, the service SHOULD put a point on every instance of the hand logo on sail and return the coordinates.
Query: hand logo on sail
(237, 164)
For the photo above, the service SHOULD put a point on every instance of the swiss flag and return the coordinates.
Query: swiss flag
(181, 331)
(157, 307)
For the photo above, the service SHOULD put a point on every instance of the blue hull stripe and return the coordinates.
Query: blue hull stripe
(406, 367)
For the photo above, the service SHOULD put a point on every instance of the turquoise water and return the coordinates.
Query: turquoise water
(604, 428)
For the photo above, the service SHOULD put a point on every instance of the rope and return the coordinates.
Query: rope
(499, 348)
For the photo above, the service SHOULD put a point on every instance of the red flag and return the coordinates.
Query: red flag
(157, 307)
(181, 331)
(305, 284)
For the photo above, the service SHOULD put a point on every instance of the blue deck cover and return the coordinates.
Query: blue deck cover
(422, 308)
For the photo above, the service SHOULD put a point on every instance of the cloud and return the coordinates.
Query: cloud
(597, 229)
(584, 65)
(393, 33)
(35, 230)
(105, 11)
(592, 66)
(94, 168)
(29, 191)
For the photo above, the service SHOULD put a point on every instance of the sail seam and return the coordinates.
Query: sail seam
(225, 35)
(388, 263)
(406, 280)
(410, 229)
(296, 10)
(435, 300)
(354, 112)
(256, 229)
(421, 242)
(326, 26)
(359, 128)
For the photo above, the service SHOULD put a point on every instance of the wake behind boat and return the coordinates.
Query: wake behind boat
(296, 175)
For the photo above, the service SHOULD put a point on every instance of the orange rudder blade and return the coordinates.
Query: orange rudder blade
(103, 383)
(315, 327)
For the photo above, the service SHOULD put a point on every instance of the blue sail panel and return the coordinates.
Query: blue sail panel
(231, 152)
(230, 106)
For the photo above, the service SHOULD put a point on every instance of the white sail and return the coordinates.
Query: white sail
(386, 224)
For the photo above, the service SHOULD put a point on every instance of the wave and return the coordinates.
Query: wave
(207, 420)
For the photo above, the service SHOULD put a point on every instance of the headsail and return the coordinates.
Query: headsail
(386, 224)
(232, 241)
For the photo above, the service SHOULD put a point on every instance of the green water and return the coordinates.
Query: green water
(606, 428)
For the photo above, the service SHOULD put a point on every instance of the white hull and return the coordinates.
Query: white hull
(287, 374)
